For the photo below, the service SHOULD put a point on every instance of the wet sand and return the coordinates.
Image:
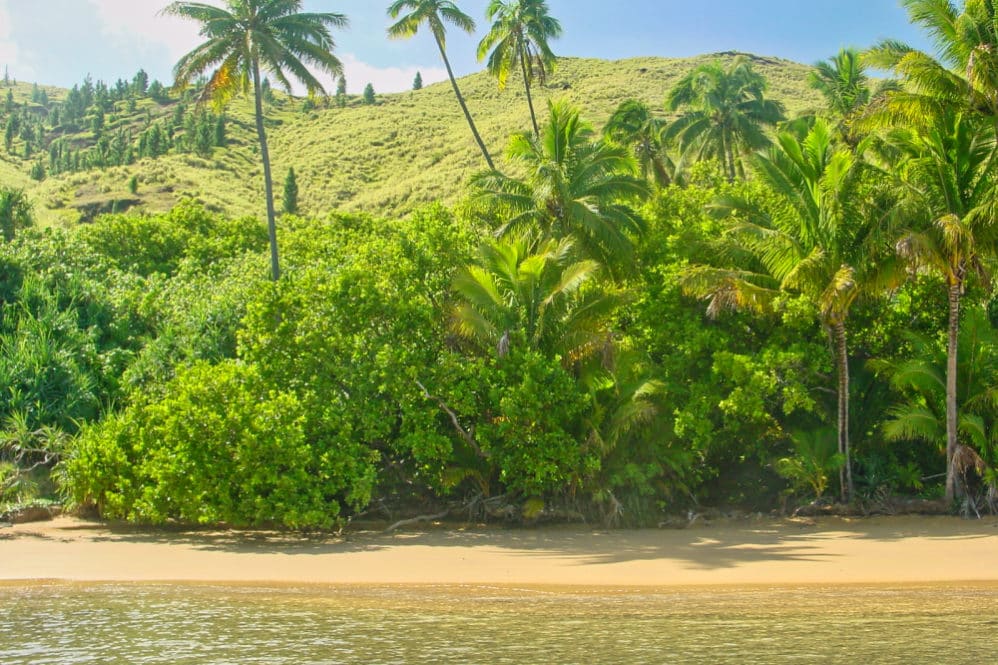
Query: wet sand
(826, 551)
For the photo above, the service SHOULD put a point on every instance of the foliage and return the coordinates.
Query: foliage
(575, 186)
(725, 113)
(217, 447)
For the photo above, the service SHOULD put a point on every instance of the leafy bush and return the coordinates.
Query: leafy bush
(218, 447)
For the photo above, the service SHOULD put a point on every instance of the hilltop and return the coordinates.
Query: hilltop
(408, 149)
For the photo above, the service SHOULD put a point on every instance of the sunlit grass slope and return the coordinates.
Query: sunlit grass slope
(409, 149)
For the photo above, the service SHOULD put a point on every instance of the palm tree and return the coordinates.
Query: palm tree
(950, 176)
(519, 37)
(520, 292)
(574, 186)
(434, 13)
(726, 112)
(817, 240)
(966, 74)
(245, 37)
(843, 82)
(633, 124)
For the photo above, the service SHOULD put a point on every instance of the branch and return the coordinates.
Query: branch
(416, 520)
(467, 436)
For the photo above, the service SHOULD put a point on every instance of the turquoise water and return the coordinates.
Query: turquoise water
(149, 623)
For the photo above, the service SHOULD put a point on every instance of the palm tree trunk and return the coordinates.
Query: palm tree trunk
(951, 367)
(530, 99)
(464, 107)
(268, 181)
(842, 365)
(729, 157)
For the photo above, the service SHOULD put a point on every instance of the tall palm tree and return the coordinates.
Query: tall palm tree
(248, 36)
(726, 113)
(519, 37)
(520, 292)
(633, 124)
(950, 174)
(817, 241)
(575, 185)
(434, 13)
(941, 97)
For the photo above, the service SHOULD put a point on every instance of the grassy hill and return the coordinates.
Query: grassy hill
(409, 149)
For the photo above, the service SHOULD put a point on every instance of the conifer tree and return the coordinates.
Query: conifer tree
(341, 92)
(291, 193)
(417, 84)
(369, 94)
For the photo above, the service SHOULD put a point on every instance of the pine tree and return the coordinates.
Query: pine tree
(417, 84)
(369, 94)
(341, 92)
(291, 193)
(220, 140)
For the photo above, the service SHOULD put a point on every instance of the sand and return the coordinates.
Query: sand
(827, 551)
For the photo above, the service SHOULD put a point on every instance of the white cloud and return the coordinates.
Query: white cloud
(139, 22)
(385, 79)
(10, 54)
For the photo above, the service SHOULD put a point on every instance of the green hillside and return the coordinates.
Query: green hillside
(409, 149)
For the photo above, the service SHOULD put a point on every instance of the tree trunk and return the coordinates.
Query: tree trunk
(729, 157)
(842, 366)
(952, 350)
(530, 99)
(268, 182)
(464, 107)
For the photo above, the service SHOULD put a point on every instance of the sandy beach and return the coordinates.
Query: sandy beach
(829, 551)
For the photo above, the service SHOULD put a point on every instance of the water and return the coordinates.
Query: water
(104, 623)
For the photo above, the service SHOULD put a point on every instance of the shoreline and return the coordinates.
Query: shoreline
(747, 554)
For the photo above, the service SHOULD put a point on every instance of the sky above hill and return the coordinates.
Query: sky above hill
(58, 42)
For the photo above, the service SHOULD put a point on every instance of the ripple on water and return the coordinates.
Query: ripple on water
(73, 624)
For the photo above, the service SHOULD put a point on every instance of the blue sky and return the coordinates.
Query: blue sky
(60, 41)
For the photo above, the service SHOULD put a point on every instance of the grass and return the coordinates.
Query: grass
(409, 149)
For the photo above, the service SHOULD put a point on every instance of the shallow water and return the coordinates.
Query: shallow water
(150, 623)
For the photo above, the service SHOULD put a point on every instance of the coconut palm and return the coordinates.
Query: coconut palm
(575, 186)
(950, 176)
(964, 76)
(519, 37)
(843, 82)
(725, 113)
(634, 125)
(536, 294)
(818, 240)
(245, 37)
(434, 13)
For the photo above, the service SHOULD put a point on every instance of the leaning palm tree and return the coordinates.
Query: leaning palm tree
(725, 113)
(434, 13)
(575, 185)
(818, 239)
(245, 37)
(519, 37)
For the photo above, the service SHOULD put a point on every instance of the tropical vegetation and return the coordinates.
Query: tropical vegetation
(700, 295)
